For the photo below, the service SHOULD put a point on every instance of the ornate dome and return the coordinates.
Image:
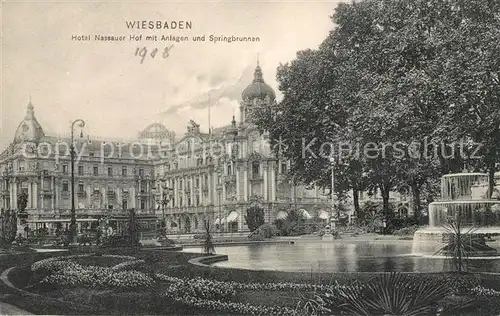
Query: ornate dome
(29, 129)
(157, 132)
(258, 88)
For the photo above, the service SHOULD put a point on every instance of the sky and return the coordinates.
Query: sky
(106, 85)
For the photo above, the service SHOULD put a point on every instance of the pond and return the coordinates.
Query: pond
(342, 256)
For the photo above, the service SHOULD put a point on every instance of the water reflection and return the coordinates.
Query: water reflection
(308, 256)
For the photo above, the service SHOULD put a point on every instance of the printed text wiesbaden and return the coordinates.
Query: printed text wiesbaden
(150, 24)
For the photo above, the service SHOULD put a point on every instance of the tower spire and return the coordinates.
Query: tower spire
(257, 75)
(209, 125)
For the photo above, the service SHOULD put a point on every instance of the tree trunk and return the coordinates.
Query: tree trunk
(491, 170)
(491, 178)
(355, 197)
(385, 200)
(415, 189)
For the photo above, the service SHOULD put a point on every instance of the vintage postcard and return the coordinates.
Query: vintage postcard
(250, 157)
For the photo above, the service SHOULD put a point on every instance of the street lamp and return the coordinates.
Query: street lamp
(220, 170)
(334, 208)
(164, 196)
(72, 226)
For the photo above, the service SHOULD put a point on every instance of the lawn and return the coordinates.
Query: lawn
(140, 282)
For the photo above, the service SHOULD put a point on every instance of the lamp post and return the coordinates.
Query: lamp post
(220, 170)
(334, 208)
(72, 226)
(164, 197)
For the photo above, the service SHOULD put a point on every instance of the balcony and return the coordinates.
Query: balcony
(230, 179)
(81, 194)
(46, 192)
(256, 178)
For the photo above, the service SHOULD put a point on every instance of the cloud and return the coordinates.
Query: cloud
(231, 92)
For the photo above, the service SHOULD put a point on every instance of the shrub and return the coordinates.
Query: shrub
(264, 231)
(391, 294)
(406, 231)
(199, 236)
(254, 217)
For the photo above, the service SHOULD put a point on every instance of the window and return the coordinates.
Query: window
(197, 182)
(65, 187)
(189, 201)
(80, 187)
(255, 168)
(143, 205)
(284, 168)
(180, 201)
(91, 154)
(197, 200)
(96, 171)
(229, 169)
(65, 169)
(124, 171)
(110, 207)
(80, 170)
(141, 172)
(110, 171)
(124, 204)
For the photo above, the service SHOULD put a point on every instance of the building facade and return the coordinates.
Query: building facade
(212, 176)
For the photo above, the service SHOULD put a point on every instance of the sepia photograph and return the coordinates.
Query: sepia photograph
(271, 157)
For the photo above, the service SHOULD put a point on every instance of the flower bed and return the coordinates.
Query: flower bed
(281, 286)
(219, 296)
(54, 263)
(202, 288)
(230, 307)
(103, 260)
(64, 272)
(484, 292)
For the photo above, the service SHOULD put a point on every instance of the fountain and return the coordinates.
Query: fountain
(464, 197)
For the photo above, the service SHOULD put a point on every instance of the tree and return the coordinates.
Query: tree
(208, 245)
(460, 245)
(9, 226)
(292, 225)
(255, 217)
(422, 75)
(22, 201)
(133, 228)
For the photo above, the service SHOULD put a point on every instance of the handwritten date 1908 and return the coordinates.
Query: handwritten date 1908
(143, 52)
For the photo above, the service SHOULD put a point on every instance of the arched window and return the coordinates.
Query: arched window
(229, 169)
(284, 167)
(255, 168)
